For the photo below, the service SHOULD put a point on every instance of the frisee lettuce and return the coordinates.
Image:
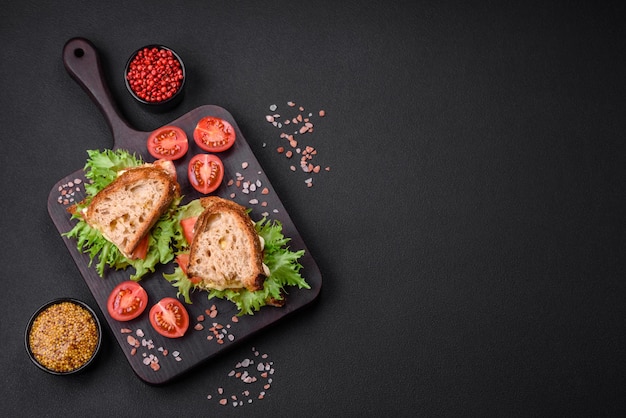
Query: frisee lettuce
(101, 169)
(281, 261)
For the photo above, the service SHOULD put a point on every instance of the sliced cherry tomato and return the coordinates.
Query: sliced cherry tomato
(205, 172)
(127, 301)
(169, 143)
(141, 250)
(169, 318)
(188, 225)
(214, 134)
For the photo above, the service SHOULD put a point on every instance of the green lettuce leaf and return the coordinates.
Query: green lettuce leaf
(102, 167)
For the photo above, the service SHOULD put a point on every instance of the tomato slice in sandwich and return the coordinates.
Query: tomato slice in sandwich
(127, 301)
(169, 318)
(182, 260)
(188, 225)
(141, 250)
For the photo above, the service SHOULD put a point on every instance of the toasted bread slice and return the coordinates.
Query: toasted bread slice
(125, 210)
(226, 252)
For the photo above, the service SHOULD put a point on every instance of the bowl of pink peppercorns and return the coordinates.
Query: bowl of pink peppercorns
(155, 77)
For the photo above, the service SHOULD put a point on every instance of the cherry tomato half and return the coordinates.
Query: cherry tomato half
(127, 301)
(168, 143)
(205, 172)
(214, 134)
(169, 318)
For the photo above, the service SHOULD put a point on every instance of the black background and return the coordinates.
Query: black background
(470, 232)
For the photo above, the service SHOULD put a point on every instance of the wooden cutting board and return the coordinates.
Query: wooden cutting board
(156, 359)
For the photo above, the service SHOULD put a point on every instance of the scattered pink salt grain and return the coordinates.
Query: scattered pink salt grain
(304, 122)
(145, 348)
(250, 379)
(67, 192)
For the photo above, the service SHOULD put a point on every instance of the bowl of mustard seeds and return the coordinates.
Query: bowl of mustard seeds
(63, 336)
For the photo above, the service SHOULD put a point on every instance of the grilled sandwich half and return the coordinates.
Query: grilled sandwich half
(126, 210)
(226, 252)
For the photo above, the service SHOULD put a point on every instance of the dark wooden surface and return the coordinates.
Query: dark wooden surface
(194, 348)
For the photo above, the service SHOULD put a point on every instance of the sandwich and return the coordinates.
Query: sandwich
(226, 251)
(232, 257)
(125, 219)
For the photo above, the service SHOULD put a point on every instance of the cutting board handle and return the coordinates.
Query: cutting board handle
(82, 62)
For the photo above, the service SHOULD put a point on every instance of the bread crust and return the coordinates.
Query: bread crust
(217, 213)
(110, 209)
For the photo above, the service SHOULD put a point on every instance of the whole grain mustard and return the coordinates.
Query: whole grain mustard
(63, 337)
